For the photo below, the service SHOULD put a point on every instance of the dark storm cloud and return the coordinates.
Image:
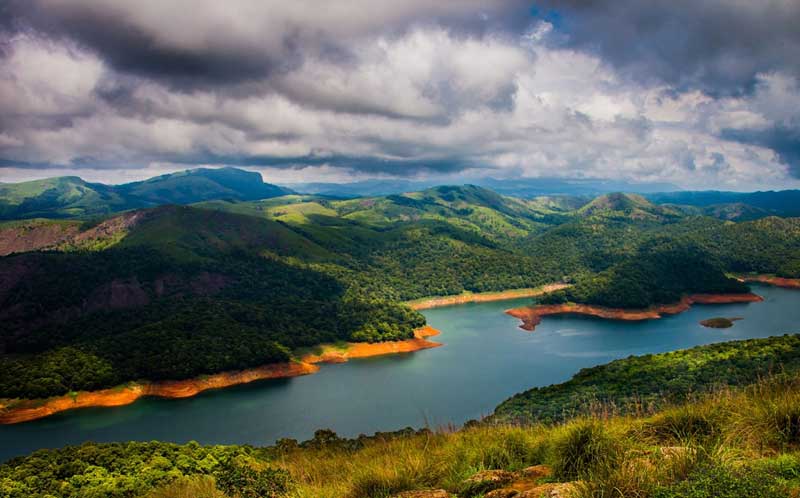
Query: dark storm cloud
(784, 140)
(718, 46)
(375, 87)
(208, 43)
(133, 49)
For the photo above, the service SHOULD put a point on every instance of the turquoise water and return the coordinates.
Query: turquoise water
(486, 358)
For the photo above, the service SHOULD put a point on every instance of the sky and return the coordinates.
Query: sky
(703, 94)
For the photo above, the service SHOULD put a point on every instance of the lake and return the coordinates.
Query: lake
(486, 358)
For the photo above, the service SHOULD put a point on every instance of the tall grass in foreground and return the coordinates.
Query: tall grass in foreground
(731, 443)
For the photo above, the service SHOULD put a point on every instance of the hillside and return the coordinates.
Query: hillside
(734, 436)
(174, 292)
(654, 381)
(71, 197)
(661, 271)
(63, 197)
(738, 206)
(120, 295)
(622, 205)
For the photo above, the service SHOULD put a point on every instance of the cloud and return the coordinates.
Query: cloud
(381, 89)
(195, 42)
(718, 46)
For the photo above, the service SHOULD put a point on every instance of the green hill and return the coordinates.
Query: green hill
(170, 293)
(661, 271)
(62, 197)
(71, 197)
(197, 185)
(623, 205)
(133, 281)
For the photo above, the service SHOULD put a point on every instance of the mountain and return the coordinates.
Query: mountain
(63, 197)
(169, 293)
(739, 206)
(179, 291)
(626, 205)
(202, 184)
(69, 197)
(525, 188)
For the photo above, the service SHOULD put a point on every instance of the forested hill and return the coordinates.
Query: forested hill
(661, 271)
(70, 196)
(228, 284)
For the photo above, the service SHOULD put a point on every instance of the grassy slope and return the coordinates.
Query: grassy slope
(644, 382)
(726, 443)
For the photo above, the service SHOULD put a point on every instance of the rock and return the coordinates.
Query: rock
(487, 480)
(550, 490)
(542, 491)
(424, 493)
(536, 472)
(502, 493)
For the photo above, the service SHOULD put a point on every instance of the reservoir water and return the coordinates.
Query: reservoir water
(486, 358)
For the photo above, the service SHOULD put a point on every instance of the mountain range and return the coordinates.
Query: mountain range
(70, 196)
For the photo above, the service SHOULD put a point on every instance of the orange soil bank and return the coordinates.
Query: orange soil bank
(367, 349)
(26, 410)
(531, 316)
(482, 297)
(789, 283)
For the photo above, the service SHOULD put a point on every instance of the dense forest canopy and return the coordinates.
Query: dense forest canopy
(229, 284)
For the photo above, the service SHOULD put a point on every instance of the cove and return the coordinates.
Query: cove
(486, 358)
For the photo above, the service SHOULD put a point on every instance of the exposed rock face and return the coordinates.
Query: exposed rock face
(502, 493)
(35, 235)
(536, 472)
(117, 294)
(487, 480)
(424, 493)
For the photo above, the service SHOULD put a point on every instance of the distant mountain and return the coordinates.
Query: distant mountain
(197, 185)
(626, 205)
(738, 206)
(517, 187)
(70, 196)
(61, 197)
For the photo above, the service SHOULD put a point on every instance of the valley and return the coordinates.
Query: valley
(272, 313)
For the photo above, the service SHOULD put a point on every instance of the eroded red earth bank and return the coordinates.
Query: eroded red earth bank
(531, 316)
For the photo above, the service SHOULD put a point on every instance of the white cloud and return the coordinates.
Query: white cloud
(507, 106)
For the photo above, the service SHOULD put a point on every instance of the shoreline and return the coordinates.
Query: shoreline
(33, 409)
(531, 316)
(786, 283)
(482, 297)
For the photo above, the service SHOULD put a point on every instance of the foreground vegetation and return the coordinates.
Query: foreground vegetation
(641, 384)
(724, 444)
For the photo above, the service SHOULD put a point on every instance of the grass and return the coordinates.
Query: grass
(728, 442)
(732, 442)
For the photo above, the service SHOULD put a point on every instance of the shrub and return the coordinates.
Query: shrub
(582, 447)
(684, 424)
(723, 482)
(241, 480)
